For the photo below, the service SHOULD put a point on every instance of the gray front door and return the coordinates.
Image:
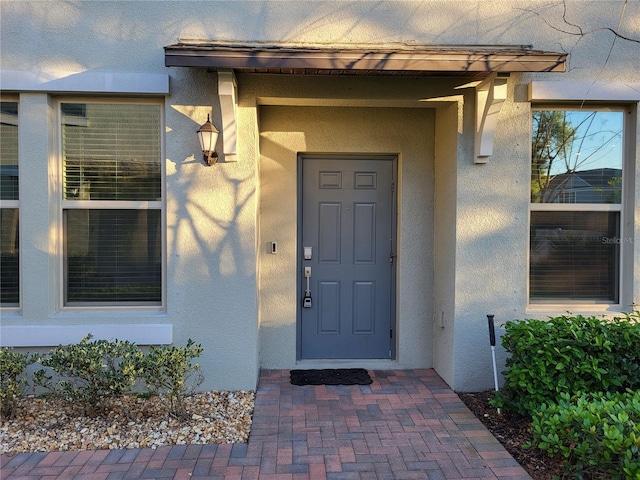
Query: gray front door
(347, 220)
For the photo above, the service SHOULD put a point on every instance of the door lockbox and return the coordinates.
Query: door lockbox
(306, 302)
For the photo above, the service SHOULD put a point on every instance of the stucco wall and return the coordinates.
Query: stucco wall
(216, 236)
(287, 131)
(448, 130)
(210, 247)
(129, 35)
(211, 237)
(491, 241)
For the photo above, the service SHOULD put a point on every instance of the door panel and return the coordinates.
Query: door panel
(330, 233)
(347, 218)
(364, 245)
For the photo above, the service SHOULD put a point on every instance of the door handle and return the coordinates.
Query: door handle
(306, 301)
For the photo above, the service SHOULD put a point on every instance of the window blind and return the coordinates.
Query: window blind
(8, 151)
(576, 206)
(9, 190)
(9, 257)
(574, 256)
(113, 256)
(111, 151)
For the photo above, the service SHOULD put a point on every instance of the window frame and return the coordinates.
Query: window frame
(625, 209)
(15, 204)
(74, 204)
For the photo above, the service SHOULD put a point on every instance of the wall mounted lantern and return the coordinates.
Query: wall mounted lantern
(208, 136)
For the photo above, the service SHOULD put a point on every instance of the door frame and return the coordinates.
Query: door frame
(393, 341)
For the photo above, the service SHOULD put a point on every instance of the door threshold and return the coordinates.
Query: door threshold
(369, 364)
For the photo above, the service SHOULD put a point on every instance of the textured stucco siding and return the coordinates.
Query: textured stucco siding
(462, 227)
(287, 131)
(491, 242)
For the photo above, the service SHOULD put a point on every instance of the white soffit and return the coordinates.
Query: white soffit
(558, 91)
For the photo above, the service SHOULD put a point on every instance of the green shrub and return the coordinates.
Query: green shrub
(568, 354)
(13, 366)
(169, 372)
(90, 372)
(598, 436)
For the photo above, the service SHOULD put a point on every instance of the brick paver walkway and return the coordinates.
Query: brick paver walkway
(408, 424)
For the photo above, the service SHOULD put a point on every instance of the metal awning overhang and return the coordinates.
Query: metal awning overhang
(488, 64)
(367, 60)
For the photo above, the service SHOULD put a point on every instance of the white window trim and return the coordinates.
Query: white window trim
(55, 169)
(10, 204)
(563, 91)
(575, 207)
(80, 83)
(611, 93)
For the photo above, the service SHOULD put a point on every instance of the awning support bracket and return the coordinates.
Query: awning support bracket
(490, 95)
(228, 95)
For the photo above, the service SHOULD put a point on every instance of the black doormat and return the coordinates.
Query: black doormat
(336, 376)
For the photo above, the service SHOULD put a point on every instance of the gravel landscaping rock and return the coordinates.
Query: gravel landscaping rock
(51, 424)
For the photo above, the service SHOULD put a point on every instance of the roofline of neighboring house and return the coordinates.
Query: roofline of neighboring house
(389, 59)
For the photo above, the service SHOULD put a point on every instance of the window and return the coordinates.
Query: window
(9, 211)
(112, 203)
(576, 237)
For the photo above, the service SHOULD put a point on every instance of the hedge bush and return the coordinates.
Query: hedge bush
(169, 371)
(13, 379)
(90, 372)
(598, 436)
(568, 354)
